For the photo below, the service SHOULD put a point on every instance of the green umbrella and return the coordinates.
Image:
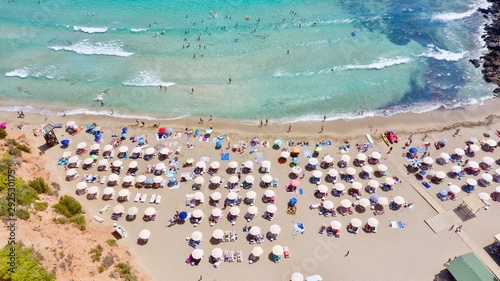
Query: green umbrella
(190, 160)
(94, 156)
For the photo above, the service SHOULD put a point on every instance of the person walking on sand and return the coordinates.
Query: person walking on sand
(261, 123)
(324, 118)
(321, 131)
(112, 111)
(267, 121)
(459, 228)
(456, 132)
(347, 253)
(390, 149)
(211, 118)
(289, 129)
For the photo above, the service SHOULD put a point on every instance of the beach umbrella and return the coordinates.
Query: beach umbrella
(317, 174)
(164, 151)
(92, 190)
(95, 146)
(198, 196)
(487, 177)
(327, 204)
(88, 161)
(488, 160)
(141, 179)
(271, 208)
(249, 179)
(278, 142)
(160, 166)
(428, 160)
(248, 164)
(456, 169)
(445, 156)
(232, 164)
(322, 188)
(253, 210)
(356, 222)
(399, 200)
(157, 179)
(373, 183)
(234, 211)
(373, 222)
(295, 160)
(149, 211)
(390, 181)
(117, 163)
(81, 145)
(108, 147)
(413, 150)
(83, 185)
(497, 189)
(367, 169)
(350, 171)
(374, 198)
(365, 202)
(113, 177)
(123, 148)
(233, 179)
(497, 171)
(297, 277)
(295, 149)
(232, 195)
(70, 124)
(197, 254)
(267, 178)
(357, 185)
(216, 196)
(94, 156)
(215, 179)
(472, 182)
(199, 180)
(266, 164)
(132, 211)
(328, 159)
(201, 164)
(382, 168)
(473, 164)
(275, 229)
(376, 155)
(108, 191)
(416, 164)
(339, 186)
(440, 174)
(257, 251)
(215, 165)
(103, 162)
(123, 192)
(251, 194)
(218, 234)
(183, 215)
(197, 213)
(333, 172)
(335, 224)
(197, 235)
(118, 209)
(474, 147)
(278, 250)
(285, 154)
(483, 196)
(383, 201)
(235, 146)
(189, 161)
(269, 193)
(459, 151)
(255, 230)
(346, 203)
(144, 234)
(454, 188)
(491, 142)
(313, 161)
(296, 170)
(71, 172)
(345, 158)
(73, 159)
(217, 253)
(134, 164)
(361, 157)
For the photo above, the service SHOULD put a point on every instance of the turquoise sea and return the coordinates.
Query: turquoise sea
(288, 60)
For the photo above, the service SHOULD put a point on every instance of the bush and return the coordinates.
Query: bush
(68, 206)
(125, 272)
(3, 134)
(39, 185)
(80, 221)
(111, 242)
(25, 195)
(22, 213)
(15, 152)
(60, 220)
(41, 206)
(27, 267)
(96, 253)
(24, 148)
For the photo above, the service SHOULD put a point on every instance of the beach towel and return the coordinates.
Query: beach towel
(204, 139)
(397, 224)
(307, 153)
(214, 140)
(252, 151)
(224, 157)
(259, 157)
(426, 184)
(326, 143)
(174, 187)
(301, 191)
(205, 158)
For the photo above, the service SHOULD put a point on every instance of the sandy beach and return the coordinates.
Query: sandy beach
(414, 252)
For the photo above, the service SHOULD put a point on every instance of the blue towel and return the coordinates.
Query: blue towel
(301, 191)
(426, 185)
(224, 157)
(401, 224)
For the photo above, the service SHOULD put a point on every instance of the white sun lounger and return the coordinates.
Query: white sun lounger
(103, 179)
(104, 209)
(144, 196)
(152, 199)
(78, 163)
(137, 197)
(158, 199)
(98, 219)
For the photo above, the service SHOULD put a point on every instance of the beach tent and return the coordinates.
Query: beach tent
(469, 267)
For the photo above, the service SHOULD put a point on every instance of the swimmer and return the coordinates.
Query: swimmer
(287, 52)
(194, 56)
(162, 31)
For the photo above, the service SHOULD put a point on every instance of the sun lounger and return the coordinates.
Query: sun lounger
(227, 236)
(98, 219)
(137, 197)
(158, 199)
(103, 179)
(239, 255)
(104, 209)
(78, 163)
(143, 198)
(286, 253)
(152, 199)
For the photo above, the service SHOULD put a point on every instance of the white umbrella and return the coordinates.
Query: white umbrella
(491, 142)
(390, 181)
(233, 179)
(497, 171)
(322, 188)
(234, 211)
(123, 192)
(278, 250)
(361, 157)
(232, 164)
(373, 222)
(217, 253)
(118, 209)
(333, 172)
(218, 234)
(488, 160)
(357, 185)
(81, 145)
(382, 168)
(160, 166)
(216, 196)
(201, 164)
(141, 178)
(197, 254)
(317, 174)
(275, 229)
(70, 124)
(376, 155)
(350, 171)
(197, 213)
(399, 200)
(456, 169)
(132, 211)
(252, 210)
(249, 179)
(198, 196)
(269, 193)
(199, 180)
(373, 183)
(232, 195)
(440, 174)
(83, 185)
(197, 235)
(144, 234)
(257, 251)
(108, 191)
(128, 178)
(71, 172)
(328, 159)
(73, 159)
(136, 149)
(251, 194)
(497, 189)
(296, 170)
(255, 230)
(103, 162)
(267, 178)
(149, 151)
(365, 202)
(368, 169)
(297, 277)
(471, 182)
(473, 164)
(487, 177)
(428, 160)
(345, 158)
(474, 147)
(215, 165)
(445, 156)
(113, 177)
(88, 161)
(149, 211)
(328, 204)
(134, 164)
(164, 151)
(356, 222)
(313, 161)
(285, 154)
(454, 188)
(383, 201)
(248, 164)
(157, 179)
(335, 224)
(346, 203)
(271, 208)
(108, 147)
(339, 186)
(483, 196)
(123, 148)
(266, 164)
(117, 163)
(93, 189)
(215, 179)
(95, 146)
(459, 151)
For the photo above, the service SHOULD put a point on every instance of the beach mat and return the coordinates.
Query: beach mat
(224, 157)
(396, 224)
(426, 185)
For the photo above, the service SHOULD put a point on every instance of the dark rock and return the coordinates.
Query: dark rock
(475, 62)
(497, 90)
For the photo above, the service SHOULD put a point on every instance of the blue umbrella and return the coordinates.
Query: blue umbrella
(295, 160)
(443, 192)
(374, 198)
(170, 130)
(172, 180)
(416, 164)
(65, 142)
(413, 150)
(97, 138)
(218, 143)
(278, 142)
(124, 129)
(292, 202)
(183, 215)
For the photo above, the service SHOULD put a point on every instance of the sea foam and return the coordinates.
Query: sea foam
(49, 72)
(84, 47)
(434, 52)
(382, 63)
(90, 29)
(146, 79)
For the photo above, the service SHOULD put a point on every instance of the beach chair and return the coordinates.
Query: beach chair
(78, 163)
(227, 236)
(103, 180)
(239, 256)
(193, 243)
(152, 199)
(158, 199)
(233, 236)
(286, 253)
(98, 219)
(337, 233)
(276, 259)
(143, 198)
(104, 209)
(137, 197)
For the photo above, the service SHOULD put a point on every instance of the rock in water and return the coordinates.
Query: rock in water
(475, 62)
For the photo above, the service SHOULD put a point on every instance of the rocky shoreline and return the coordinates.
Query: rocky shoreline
(491, 60)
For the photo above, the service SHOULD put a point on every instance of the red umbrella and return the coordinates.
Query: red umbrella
(294, 183)
(162, 130)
